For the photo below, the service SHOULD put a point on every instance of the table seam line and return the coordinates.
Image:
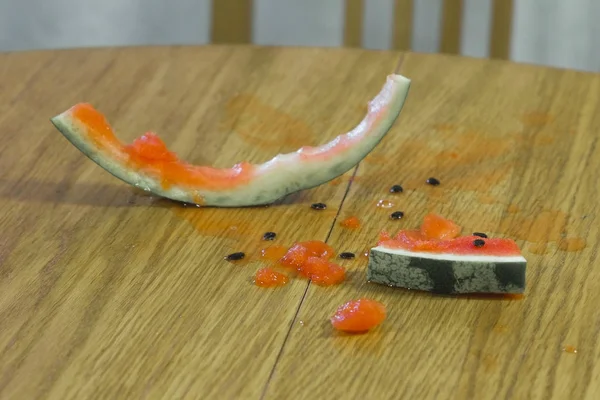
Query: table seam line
(294, 319)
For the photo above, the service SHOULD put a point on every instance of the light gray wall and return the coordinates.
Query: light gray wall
(40, 24)
(560, 33)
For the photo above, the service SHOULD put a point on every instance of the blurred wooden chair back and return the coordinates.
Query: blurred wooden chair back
(232, 23)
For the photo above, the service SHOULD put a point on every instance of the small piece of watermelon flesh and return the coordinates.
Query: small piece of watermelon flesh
(359, 315)
(437, 227)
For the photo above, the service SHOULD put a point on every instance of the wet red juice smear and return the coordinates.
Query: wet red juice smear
(351, 223)
(273, 253)
(571, 244)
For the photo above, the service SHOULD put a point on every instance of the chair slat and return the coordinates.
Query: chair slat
(500, 37)
(231, 21)
(353, 23)
(403, 24)
(451, 26)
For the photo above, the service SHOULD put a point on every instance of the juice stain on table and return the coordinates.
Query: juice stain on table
(571, 244)
(470, 158)
(546, 227)
(452, 155)
(457, 153)
(222, 223)
(536, 118)
(273, 253)
(538, 248)
(264, 126)
(512, 208)
(348, 179)
(490, 363)
(351, 223)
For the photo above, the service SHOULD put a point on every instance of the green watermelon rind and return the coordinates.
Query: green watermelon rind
(447, 273)
(272, 180)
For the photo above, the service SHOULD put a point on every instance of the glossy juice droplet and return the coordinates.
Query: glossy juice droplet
(351, 223)
(385, 204)
(570, 349)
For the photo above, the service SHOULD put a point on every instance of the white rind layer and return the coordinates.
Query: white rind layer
(451, 256)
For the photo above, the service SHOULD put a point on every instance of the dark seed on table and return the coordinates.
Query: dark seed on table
(269, 236)
(235, 256)
(397, 215)
(396, 189)
(478, 242)
(318, 206)
(347, 255)
(433, 181)
(480, 234)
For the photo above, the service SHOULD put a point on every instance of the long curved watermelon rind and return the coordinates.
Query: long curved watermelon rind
(270, 181)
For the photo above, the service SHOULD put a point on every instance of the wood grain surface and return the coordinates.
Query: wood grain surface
(108, 293)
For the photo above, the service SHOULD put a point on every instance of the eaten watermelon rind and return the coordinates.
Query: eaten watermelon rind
(265, 183)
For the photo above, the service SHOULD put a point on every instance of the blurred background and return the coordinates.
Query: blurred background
(560, 33)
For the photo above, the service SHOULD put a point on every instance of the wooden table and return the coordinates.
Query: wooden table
(106, 292)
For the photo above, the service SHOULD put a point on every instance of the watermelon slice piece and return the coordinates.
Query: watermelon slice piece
(149, 165)
(436, 259)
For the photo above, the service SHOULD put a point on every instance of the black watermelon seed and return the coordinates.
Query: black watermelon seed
(318, 206)
(269, 236)
(480, 234)
(396, 189)
(433, 181)
(235, 256)
(397, 215)
(478, 242)
(347, 255)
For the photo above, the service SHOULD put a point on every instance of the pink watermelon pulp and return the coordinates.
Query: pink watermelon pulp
(441, 236)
